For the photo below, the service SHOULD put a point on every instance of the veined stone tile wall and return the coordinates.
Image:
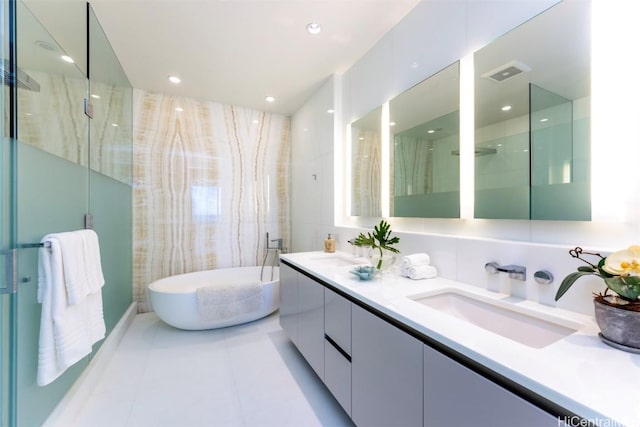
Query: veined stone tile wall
(52, 119)
(365, 172)
(209, 182)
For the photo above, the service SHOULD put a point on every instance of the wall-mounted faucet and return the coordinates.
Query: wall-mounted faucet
(279, 245)
(517, 272)
(277, 248)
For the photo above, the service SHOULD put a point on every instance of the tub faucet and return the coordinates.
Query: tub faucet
(517, 272)
(277, 248)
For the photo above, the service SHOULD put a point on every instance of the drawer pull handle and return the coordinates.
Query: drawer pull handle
(337, 347)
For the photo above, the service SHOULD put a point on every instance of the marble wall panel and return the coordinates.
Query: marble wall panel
(210, 180)
(111, 131)
(52, 118)
(366, 165)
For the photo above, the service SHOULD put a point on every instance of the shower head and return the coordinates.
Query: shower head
(479, 151)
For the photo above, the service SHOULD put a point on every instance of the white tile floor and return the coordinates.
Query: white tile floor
(246, 375)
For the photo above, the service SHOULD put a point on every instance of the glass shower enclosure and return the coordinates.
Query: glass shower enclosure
(59, 169)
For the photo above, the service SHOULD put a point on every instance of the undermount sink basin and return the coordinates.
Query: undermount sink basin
(336, 260)
(498, 317)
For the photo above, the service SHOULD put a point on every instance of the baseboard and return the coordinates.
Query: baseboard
(67, 410)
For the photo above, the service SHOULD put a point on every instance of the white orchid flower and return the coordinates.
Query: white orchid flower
(624, 263)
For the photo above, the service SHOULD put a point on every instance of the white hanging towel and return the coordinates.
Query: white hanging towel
(92, 262)
(67, 331)
(81, 263)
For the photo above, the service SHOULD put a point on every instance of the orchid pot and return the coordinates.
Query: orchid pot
(617, 314)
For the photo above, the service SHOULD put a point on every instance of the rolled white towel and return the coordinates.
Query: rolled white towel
(420, 272)
(415, 259)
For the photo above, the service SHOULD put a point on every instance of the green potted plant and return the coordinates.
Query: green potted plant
(618, 314)
(381, 244)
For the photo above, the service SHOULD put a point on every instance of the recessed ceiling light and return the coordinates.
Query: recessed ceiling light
(313, 28)
(305, 130)
(431, 131)
(392, 123)
(544, 120)
(414, 64)
(255, 121)
(269, 99)
(506, 108)
(330, 111)
(179, 109)
(174, 79)
(361, 138)
(95, 96)
(68, 59)
(115, 125)
(28, 114)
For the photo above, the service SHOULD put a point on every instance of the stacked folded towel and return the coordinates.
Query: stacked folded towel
(417, 266)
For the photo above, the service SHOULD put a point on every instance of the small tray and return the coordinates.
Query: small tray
(618, 345)
(365, 272)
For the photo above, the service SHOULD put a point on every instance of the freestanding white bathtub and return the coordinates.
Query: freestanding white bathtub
(175, 301)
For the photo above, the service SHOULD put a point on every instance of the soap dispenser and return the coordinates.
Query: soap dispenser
(329, 244)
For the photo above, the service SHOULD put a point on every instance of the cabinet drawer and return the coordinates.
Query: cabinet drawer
(337, 319)
(337, 375)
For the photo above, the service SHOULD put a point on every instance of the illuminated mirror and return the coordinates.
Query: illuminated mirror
(425, 148)
(366, 164)
(532, 118)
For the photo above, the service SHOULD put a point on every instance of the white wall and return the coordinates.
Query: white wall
(312, 171)
(433, 35)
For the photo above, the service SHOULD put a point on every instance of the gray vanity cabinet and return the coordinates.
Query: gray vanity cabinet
(302, 315)
(289, 302)
(455, 396)
(386, 373)
(337, 347)
(311, 322)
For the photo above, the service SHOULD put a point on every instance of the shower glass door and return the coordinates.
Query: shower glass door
(7, 234)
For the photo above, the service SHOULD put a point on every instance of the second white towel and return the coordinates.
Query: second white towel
(420, 272)
(414, 260)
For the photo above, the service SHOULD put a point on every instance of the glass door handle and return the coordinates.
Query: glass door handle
(10, 277)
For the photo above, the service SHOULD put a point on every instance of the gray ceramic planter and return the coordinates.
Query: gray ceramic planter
(618, 326)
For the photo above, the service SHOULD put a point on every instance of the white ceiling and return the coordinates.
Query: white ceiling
(232, 51)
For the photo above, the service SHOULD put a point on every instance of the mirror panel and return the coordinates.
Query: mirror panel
(425, 148)
(111, 97)
(366, 164)
(51, 93)
(532, 159)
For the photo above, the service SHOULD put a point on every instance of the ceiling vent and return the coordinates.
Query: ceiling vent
(507, 71)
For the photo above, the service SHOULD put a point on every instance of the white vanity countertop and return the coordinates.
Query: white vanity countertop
(580, 373)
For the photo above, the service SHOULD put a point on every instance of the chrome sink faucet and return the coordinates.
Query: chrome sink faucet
(517, 272)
